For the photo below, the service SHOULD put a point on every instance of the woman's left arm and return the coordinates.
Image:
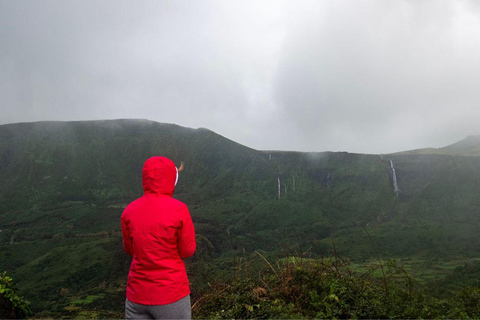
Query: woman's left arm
(127, 239)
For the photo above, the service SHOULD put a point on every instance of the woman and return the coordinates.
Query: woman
(158, 232)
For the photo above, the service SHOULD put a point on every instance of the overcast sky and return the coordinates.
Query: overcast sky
(360, 76)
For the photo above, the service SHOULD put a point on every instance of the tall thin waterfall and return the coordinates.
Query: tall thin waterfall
(278, 187)
(293, 183)
(395, 185)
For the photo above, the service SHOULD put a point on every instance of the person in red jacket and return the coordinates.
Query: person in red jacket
(158, 233)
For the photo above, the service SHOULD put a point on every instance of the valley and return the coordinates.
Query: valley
(64, 185)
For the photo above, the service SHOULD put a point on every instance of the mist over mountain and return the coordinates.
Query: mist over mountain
(470, 146)
(64, 186)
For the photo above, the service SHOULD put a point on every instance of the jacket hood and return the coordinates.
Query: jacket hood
(159, 176)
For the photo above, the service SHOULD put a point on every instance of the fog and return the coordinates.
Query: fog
(358, 76)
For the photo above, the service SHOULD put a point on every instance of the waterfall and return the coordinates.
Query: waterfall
(293, 183)
(279, 187)
(394, 176)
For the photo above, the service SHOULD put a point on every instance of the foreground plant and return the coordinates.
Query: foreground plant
(11, 305)
(327, 288)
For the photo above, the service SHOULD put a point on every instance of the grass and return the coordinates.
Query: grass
(423, 270)
(88, 299)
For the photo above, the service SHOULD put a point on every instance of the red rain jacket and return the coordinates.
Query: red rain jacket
(158, 232)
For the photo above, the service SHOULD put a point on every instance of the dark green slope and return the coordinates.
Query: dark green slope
(51, 165)
(64, 186)
(438, 213)
(52, 162)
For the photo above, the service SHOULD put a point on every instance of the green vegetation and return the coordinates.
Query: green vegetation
(64, 187)
(11, 305)
(329, 289)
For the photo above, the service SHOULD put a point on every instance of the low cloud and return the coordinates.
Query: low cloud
(359, 76)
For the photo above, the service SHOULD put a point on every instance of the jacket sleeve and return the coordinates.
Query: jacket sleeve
(127, 239)
(186, 235)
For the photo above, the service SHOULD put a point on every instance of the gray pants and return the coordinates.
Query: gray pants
(177, 310)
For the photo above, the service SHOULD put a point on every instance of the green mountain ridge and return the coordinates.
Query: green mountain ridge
(64, 186)
(470, 146)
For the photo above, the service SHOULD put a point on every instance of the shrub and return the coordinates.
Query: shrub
(327, 288)
(11, 305)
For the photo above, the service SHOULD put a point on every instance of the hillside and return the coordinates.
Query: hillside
(64, 186)
(470, 146)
